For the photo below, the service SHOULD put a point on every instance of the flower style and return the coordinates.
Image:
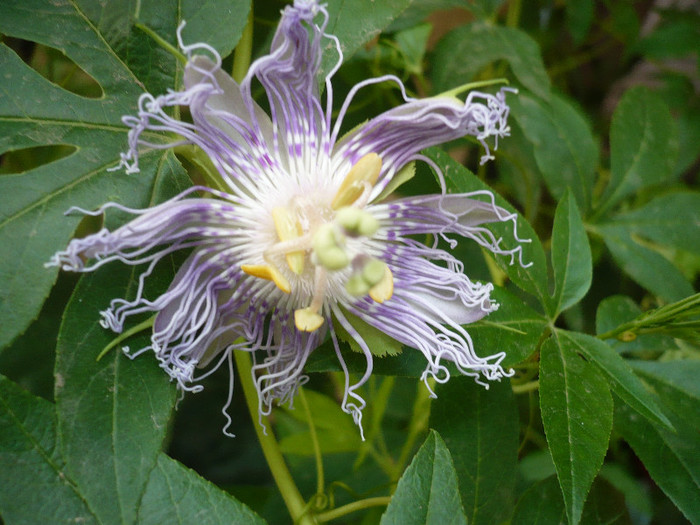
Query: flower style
(297, 239)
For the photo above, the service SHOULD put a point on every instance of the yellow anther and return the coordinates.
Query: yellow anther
(384, 289)
(365, 171)
(307, 320)
(269, 273)
(288, 228)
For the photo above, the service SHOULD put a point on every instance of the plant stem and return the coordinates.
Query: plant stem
(283, 478)
(148, 323)
(526, 387)
(161, 42)
(352, 507)
(320, 481)
(513, 15)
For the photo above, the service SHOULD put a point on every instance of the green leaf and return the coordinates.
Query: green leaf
(676, 36)
(33, 485)
(480, 44)
(219, 23)
(412, 44)
(614, 311)
(335, 430)
(646, 266)
(563, 144)
(532, 279)
(112, 414)
(480, 429)
(620, 376)
(670, 458)
(379, 343)
(576, 411)
(514, 328)
(579, 16)
(541, 504)
(101, 39)
(427, 492)
(643, 145)
(356, 22)
(178, 495)
(605, 504)
(677, 375)
(571, 256)
(667, 220)
(634, 489)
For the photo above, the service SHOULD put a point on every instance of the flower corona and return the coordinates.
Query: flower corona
(296, 238)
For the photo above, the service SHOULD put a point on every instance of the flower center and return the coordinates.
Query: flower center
(305, 228)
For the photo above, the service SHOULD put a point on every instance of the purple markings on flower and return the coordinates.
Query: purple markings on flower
(293, 241)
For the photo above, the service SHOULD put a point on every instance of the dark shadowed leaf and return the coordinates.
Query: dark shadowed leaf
(542, 504)
(33, 484)
(480, 428)
(577, 414)
(579, 16)
(427, 492)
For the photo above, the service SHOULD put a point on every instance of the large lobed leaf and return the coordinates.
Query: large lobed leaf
(101, 39)
(355, 22)
(621, 377)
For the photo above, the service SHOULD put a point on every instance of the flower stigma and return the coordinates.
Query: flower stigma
(311, 227)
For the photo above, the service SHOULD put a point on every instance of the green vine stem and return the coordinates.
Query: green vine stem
(161, 42)
(352, 507)
(148, 323)
(320, 481)
(283, 478)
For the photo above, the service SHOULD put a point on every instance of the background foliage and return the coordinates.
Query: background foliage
(601, 422)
